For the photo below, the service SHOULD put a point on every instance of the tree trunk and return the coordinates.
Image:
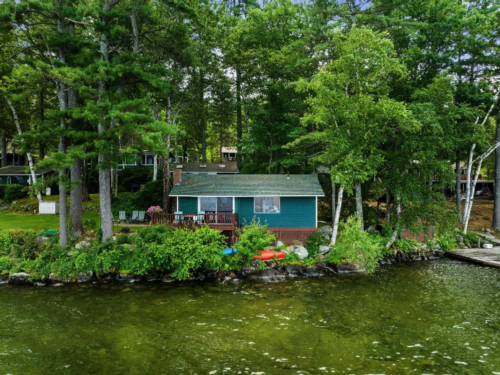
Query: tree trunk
(28, 155)
(458, 195)
(76, 208)
(104, 157)
(4, 150)
(337, 217)
(388, 207)
(333, 201)
(85, 181)
(155, 167)
(396, 230)
(239, 124)
(166, 163)
(41, 147)
(203, 125)
(496, 205)
(359, 205)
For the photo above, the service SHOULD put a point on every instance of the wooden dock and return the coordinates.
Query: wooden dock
(487, 257)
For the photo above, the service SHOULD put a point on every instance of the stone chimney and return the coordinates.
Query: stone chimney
(177, 176)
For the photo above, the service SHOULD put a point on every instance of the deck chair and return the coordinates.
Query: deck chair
(122, 216)
(135, 216)
(141, 216)
(200, 219)
(179, 217)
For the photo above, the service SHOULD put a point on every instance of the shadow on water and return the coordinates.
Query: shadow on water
(430, 317)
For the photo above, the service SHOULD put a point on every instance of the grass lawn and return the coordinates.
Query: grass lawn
(17, 219)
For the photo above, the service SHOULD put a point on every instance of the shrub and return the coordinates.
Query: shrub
(2, 191)
(355, 246)
(406, 245)
(471, 239)
(14, 192)
(253, 237)
(180, 251)
(90, 224)
(315, 240)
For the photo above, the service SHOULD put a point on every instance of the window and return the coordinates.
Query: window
(213, 204)
(267, 205)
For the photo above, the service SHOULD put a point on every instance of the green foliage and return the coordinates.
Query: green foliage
(14, 192)
(315, 240)
(447, 241)
(157, 249)
(355, 247)
(471, 239)
(2, 191)
(253, 237)
(150, 195)
(90, 224)
(406, 245)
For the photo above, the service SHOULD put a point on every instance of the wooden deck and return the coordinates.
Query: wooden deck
(487, 257)
(221, 221)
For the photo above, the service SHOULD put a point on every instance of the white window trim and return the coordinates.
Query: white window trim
(266, 213)
(215, 196)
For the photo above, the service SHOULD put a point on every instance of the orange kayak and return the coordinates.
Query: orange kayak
(268, 255)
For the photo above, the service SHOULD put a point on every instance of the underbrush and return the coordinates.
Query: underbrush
(157, 249)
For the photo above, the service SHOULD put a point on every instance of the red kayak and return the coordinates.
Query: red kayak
(268, 255)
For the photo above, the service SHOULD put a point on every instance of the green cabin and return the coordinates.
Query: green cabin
(280, 201)
(18, 175)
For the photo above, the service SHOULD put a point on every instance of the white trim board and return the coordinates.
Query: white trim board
(246, 196)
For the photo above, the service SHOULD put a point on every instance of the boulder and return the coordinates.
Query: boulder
(371, 229)
(227, 278)
(488, 230)
(436, 247)
(326, 229)
(41, 239)
(4, 282)
(279, 243)
(54, 279)
(323, 267)
(350, 268)
(301, 251)
(324, 249)
(459, 238)
(83, 245)
(236, 281)
(21, 278)
(311, 272)
(39, 284)
(84, 277)
(293, 269)
(168, 279)
(266, 276)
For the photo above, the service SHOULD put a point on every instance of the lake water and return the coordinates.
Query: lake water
(440, 317)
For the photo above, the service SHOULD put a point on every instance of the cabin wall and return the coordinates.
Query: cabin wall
(295, 212)
(188, 205)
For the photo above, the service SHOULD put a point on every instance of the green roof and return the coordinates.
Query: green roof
(248, 185)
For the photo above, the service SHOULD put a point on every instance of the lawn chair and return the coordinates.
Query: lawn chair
(135, 216)
(141, 216)
(122, 216)
(179, 217)
(200, 219)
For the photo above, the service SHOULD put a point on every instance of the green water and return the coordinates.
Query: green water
(437, 317)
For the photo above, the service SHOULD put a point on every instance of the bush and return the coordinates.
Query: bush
(471, 239)
(253, 237)
(355, 247)
(14, 192)
(2, 191)
(315, 240)
(405, 245)
(151, 195)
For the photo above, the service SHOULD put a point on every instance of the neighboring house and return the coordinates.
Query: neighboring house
(205, 168)
(229, 153)
(18, 175)
(287, 204)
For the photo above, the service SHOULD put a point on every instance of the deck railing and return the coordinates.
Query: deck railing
(181, 220)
